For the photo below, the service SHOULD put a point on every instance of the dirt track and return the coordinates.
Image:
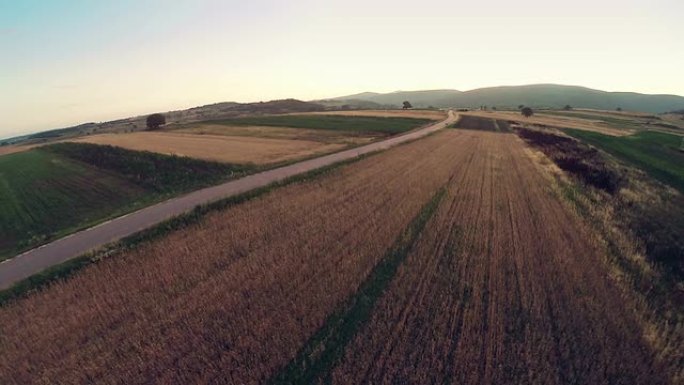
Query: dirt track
(61, 250)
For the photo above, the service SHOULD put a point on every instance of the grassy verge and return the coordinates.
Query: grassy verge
(654, 152)
(323, 350)
(362, 124)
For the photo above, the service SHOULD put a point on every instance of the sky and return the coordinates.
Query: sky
(65, 62)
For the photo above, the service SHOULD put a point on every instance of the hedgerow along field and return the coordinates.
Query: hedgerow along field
(354, 124)
(287, 285)
(656, 153)
(51, 191)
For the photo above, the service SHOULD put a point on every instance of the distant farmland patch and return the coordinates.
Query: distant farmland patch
(417, 114)
(289, 133)
(617, 122)
(13, 149)
(362, 124)
(240, 148)
(49, 192)
(156, 172)
(42, 193)
(654, 152)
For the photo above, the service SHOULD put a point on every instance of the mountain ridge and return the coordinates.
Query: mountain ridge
(534, 95)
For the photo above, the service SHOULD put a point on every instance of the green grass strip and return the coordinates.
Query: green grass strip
(324, 349)
(655, 153)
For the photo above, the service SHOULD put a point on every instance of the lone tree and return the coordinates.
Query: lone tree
(407, 105)
(618, 109)
(527, 112)
(567, 107)
(155, 120)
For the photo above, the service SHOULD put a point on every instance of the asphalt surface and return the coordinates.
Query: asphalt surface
(36, 260)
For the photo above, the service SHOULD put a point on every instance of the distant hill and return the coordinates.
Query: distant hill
(538, 95)
(208, 112)
(352, 104)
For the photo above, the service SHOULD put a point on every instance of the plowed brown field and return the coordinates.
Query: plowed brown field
(504, 287)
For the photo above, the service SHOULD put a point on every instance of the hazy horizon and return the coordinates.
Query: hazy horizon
(70, 62)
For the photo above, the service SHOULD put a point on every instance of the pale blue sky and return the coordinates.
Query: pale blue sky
(68, 62)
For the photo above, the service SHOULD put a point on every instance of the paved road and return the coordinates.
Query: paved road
(61, 250)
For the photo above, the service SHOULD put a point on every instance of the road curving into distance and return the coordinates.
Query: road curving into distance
(36, 260)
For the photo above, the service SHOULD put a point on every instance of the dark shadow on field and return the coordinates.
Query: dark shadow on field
(478, 123)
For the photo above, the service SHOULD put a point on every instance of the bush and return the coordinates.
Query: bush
(578, 159)
(154, 121)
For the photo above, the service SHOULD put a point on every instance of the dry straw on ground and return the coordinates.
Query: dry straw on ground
(222, 148)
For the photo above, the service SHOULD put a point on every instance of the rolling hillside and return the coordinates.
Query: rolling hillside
(539, 95)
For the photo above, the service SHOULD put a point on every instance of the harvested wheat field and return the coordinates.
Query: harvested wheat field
(416, 114)
(221, 148)
(503, 287)
(555, 121)
(316, 135)
(444, 260)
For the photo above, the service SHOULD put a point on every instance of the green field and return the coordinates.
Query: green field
(654, 152)
(358, 124)
(49, 192)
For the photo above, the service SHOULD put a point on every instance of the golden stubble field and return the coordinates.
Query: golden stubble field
(12, 149)
(503, 285)
(287, 133)
(554, 121)
(221, 148)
